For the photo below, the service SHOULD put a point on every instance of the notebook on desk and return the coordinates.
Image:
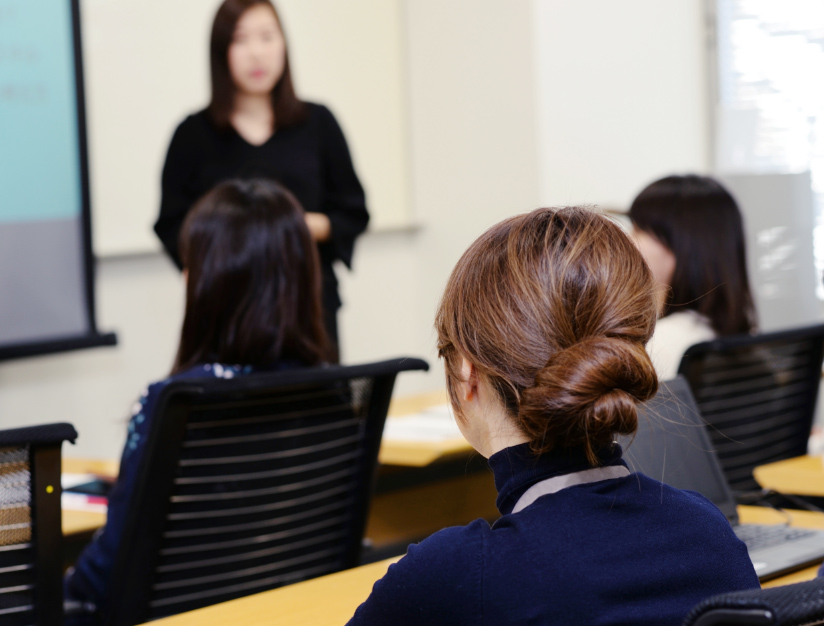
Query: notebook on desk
(673, 446)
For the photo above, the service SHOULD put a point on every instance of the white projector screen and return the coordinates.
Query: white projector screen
(46, 265)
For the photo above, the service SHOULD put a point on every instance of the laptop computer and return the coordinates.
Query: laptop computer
(673, 446)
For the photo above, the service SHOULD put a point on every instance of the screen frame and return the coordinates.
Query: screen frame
(93, 338)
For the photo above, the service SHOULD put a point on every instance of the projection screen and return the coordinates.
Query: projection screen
(46, 262)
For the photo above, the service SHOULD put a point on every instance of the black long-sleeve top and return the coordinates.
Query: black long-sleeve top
(311, 159)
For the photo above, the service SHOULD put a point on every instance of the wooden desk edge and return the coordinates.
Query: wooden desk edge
(419, 453)
(801, 476)
(341, 594)
(409, 404)
(100, 467)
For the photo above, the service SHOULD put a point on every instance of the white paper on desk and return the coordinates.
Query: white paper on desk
(81, 502)
(69, 480)
(432, 425)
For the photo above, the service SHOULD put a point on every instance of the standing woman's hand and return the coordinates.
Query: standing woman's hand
(319, 226)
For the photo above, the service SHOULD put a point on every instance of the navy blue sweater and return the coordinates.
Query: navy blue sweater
(621, 551)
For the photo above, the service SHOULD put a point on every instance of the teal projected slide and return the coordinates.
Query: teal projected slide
(39, 156)
(46, 273)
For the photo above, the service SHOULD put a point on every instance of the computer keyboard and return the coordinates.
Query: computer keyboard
(758, 537)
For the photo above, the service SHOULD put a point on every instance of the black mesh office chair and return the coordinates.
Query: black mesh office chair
(31, 562)
(758, 395)
(250, 484)
(801, 604)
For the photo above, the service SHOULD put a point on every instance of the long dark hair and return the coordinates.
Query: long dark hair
(698, 220)
(288, 108)
(253, 279)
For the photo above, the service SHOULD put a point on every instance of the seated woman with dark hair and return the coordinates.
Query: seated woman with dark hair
(691, 234)
(252, 303)
(542, 330)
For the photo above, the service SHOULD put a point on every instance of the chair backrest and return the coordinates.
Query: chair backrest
(757, 394)
(250, 484)
(31, 560)
(789, 605)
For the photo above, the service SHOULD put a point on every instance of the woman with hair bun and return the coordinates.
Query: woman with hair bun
(542, 329)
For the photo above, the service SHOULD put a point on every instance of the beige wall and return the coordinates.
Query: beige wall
(622, 94)
(474, 156)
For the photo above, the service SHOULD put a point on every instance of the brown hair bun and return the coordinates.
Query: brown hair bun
(553, 309)
(588, 392)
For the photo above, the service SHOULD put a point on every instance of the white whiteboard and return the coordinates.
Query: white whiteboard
(147, 68)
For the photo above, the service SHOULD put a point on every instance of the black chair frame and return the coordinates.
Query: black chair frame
(800, 604)
(44, 444)
(742, 386)
(135, 563)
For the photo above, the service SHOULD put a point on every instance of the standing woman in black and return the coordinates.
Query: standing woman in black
(256, 127)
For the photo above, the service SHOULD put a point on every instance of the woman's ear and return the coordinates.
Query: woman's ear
(468, 385)
(185, 273)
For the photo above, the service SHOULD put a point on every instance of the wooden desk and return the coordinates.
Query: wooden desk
(342, 593)
(419, 454)
(327, 600)
(801, 476)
